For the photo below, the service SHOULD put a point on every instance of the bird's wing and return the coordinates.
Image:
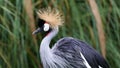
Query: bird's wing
(66, 48)
(70, 49)
(92, 56)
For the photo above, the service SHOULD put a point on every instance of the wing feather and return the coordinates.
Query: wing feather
(69, 49)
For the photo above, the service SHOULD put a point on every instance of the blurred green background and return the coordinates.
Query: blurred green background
(95, 21)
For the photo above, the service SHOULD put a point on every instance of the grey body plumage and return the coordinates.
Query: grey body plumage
(70, 48)
(67, 52)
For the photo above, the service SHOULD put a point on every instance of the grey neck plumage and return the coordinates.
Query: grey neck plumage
(45, 51)
(50, 60)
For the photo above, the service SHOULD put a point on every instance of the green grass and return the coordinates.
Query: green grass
(17, 48)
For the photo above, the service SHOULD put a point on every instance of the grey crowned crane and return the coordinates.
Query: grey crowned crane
(67, 52)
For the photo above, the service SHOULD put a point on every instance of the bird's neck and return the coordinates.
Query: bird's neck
(45, 51)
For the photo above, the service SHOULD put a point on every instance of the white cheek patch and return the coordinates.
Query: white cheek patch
(46, 27)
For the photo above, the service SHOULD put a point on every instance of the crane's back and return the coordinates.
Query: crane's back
(70, 49)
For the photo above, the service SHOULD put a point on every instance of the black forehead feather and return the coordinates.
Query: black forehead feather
(40, 22)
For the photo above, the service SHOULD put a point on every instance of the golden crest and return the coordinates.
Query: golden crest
(51, 16)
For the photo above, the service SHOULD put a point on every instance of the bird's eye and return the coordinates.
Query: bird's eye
(46, 27)
(40, 22)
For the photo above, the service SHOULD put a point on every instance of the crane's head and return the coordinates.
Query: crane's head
(49, 19)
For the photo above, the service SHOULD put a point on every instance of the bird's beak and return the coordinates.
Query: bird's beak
(37, 31)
